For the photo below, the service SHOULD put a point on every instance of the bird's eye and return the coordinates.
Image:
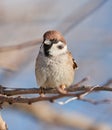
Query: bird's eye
(60, 47)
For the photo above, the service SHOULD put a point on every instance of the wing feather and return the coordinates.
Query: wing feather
(73, 60)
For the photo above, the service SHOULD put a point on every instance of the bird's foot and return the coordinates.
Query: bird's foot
(42, 92)
(61, 89)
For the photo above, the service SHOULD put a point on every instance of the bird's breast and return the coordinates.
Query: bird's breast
(55, 71)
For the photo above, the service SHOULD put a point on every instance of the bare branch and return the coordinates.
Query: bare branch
(52, 116)
(78, 87)
(21, 46)
(96, 102)
(78, 16)
(3, 125)
(67, 24)
(7, 95)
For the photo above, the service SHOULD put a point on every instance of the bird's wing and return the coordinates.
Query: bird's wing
(73, 61)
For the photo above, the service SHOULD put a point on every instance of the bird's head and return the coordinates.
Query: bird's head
(54, 43)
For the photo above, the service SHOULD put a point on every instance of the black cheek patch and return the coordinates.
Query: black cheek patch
(46, 49)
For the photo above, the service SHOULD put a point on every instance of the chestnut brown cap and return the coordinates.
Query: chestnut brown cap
(53, 35)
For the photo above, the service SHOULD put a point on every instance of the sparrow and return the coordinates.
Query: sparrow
(55, 65)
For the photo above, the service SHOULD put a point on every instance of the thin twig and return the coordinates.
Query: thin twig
(20, 99)
(20, 46)
(19, 91)
(78, 16)
(67, 24)
(7, 94)
(94, 102)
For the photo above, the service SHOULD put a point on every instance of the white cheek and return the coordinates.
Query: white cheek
(54, 50)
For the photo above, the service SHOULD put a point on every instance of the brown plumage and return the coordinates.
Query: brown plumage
(52, 34)
(74, 63)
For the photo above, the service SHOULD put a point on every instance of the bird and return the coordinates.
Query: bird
(55, 67)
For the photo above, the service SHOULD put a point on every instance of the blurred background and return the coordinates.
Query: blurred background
(87, 28)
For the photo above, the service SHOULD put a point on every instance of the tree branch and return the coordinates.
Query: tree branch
(52, 116)
(20, 46)
(3, 125)
(76, 91)
(78, 87)
(73, 19)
